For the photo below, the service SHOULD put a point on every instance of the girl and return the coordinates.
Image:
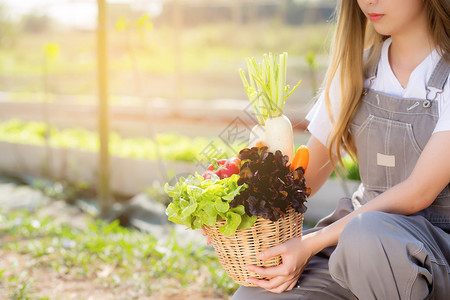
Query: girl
(390, 106)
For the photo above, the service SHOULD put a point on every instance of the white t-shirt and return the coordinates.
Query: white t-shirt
(320, 125)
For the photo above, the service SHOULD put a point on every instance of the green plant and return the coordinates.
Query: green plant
(350, 169)
(21, 287)
(198, 201)
(172, 146)
(134, 259)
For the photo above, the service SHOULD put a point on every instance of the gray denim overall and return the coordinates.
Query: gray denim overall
(381, 255)
(390, 134)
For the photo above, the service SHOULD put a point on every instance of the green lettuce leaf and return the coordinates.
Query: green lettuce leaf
(197, 202)
(221, 206)
(247, 222)
(231, 225)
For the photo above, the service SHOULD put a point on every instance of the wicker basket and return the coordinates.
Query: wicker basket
(240, 249)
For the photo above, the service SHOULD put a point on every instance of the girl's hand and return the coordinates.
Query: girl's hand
(208, 241)
(295, 254)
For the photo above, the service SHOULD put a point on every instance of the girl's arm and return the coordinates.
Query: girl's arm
(319, 166)
(429, 177)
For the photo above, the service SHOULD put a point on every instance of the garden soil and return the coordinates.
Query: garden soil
(49, 284)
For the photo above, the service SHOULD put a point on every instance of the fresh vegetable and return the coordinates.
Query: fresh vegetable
(257, 136)
(259, 144)
(223, 168)
(271, 184)
(215, 165)
(267, 90)
(266, 185)
(280, 136)
(197, 201)
(233, 166)
(301, 158)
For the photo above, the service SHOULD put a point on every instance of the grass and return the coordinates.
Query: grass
(106, 254)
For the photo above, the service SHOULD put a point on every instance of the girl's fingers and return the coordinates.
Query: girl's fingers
(292, 285)
(275, 285)
(283, 287)
(267, 272)
(208, 240)
(271, 252)
(270, 285)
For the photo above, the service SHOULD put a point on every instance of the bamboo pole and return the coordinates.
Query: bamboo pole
(45, 117)
(104, 193)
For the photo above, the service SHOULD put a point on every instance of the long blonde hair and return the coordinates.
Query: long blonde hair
(352, 35)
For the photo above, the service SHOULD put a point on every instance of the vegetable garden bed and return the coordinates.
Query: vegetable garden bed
(128, 176)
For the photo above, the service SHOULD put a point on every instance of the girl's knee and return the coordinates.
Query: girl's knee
(378, 252)
(367, 228)
(362, 244)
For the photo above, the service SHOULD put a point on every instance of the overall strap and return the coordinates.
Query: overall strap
(437, 80)
(370, 71)
(440, 74)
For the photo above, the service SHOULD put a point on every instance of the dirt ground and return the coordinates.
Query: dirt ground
(27, 276)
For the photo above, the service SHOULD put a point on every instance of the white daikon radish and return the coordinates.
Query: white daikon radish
(257, 136)
(280, 136)
(267, 91)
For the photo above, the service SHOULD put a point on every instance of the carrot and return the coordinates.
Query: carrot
(301, 158)
(259, 144)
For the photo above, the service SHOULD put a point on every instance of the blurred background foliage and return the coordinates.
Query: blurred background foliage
(174, 50)
(180, 49)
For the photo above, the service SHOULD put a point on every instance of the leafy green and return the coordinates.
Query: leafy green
(197, 201)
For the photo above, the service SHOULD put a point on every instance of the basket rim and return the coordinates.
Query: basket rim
(288, 210)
